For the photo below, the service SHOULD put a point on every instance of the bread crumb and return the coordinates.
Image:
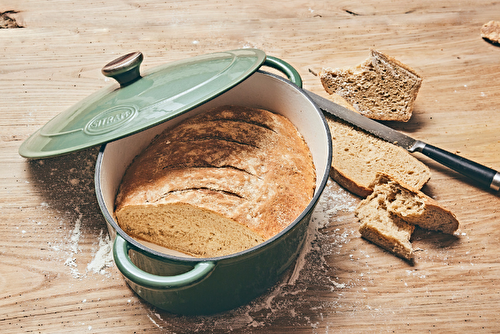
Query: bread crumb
(491, 31)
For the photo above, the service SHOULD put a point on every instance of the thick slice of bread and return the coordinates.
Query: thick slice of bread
(381, 87)
(217, 183)
(389, 215)
(358, 157)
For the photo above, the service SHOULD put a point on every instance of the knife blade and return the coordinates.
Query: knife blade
(486, 176)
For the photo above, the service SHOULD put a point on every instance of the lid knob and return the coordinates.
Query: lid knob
(124, 69)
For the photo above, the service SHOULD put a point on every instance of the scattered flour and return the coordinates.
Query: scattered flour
(75, 236)
(69, 199)
(103, 258)
(73, 247)
(70, 188)
(333, 200)
(154, 322)
(71, 263)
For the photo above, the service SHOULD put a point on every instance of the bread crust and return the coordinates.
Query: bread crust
(348, 183)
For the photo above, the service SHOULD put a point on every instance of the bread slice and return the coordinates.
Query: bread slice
(218, 183)
(389, 215)
(413, 206)
(358, 156)
(381, 87)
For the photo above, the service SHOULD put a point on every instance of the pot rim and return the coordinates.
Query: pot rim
(159, 255)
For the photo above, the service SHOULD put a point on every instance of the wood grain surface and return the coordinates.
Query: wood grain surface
(55, 274)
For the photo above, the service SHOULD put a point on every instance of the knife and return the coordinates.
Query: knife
(486, 176)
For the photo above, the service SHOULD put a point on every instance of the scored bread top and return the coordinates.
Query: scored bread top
(247, 164)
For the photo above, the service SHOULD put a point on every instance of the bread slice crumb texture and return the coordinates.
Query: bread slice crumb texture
(359, 156)
(381, 87)
(389, 215)
(187, 229)
(414, 206)
(383, 228)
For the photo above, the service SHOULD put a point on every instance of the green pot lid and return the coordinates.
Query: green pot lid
(141, 102)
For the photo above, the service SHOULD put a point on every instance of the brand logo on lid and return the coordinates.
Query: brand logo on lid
(110, 119)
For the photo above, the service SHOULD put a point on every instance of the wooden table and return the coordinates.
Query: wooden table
(55, 274)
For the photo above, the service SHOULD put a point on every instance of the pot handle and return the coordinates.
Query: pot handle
(285, 68)
(147, 280)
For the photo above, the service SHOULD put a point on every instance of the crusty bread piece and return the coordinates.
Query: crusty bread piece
(381, 87)
(413, 206)
(383, 228)
(490, 31)
(389, 215)
(358, 156)
(217, 183)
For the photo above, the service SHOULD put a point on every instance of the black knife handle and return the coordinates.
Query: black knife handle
(482, 174)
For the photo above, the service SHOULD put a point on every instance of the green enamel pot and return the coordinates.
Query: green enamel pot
(199, 286)
(125, 116)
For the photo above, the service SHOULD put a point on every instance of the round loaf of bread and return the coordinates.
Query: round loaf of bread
(217, 183)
